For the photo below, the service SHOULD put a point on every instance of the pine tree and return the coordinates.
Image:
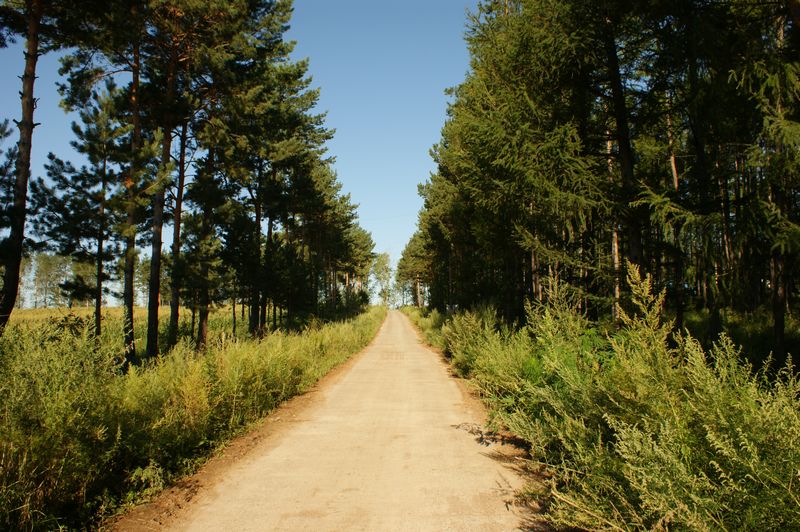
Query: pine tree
(76, 212)
(45, 25)
(585, 133)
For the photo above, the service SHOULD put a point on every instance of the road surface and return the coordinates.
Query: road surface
(385, 443)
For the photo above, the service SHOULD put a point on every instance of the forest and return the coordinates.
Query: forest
(193, 119)
(196, 133)
(591, 134)
(608, 251)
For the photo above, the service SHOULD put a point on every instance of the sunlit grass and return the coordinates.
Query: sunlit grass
(80, 435)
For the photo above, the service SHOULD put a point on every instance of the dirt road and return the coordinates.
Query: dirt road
(381, 445)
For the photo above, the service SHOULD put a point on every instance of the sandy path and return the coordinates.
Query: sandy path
(381, 446)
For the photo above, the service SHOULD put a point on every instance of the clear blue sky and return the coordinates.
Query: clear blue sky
(382, 65)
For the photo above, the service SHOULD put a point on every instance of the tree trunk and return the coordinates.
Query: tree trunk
(632, 223)
(676, 231)
(194, 314)
(794, 11)
(154, 288)
(616, 265)
(101, 233)
(174, 300)
(255, 292)
(777, 276)
(205, 235)
(203, 303)
(778, 271)
(14, 242)
(262, 323)
(128, 295)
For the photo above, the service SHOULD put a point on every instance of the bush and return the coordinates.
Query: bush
(639, 434)
(464, 337)
(79, 436)
(430, 323)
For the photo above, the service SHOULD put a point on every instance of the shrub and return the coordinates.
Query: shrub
(640, 434)
(429, 323)
(79, 436)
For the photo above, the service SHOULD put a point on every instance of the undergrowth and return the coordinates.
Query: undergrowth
(639, 432)
(79, 436)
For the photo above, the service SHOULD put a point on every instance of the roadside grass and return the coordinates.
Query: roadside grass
(80, 437)
(636, 432)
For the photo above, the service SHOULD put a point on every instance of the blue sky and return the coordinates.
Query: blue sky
(382, 65)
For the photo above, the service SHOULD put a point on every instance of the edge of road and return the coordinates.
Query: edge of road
(161, 510)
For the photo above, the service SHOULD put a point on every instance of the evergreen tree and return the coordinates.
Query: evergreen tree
(586, 133)
(44, 24)
(76, 213)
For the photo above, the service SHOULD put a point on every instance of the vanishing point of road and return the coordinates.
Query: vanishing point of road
(380, 444)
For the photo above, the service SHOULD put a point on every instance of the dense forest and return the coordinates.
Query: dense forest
(192, 116)
(608, 250)
(591, 135)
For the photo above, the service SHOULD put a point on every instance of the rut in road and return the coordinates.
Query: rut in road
(379, 447)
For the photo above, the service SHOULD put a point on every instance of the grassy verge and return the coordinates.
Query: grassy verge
(637, 432)
(78, 437)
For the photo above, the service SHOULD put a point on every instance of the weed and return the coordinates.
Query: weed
(639, 432)
(79, 436)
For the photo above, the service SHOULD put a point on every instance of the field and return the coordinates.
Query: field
(81, 436)
(220, 322)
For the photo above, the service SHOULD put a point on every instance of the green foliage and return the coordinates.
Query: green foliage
(586, 133)
(382, 272)
(430, 323)
(461, 335)
(80, 437)
(640, 433)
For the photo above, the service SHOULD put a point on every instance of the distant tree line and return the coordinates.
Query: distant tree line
(192, 115)
(588, 134)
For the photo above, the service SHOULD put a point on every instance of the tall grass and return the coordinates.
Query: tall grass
(640, 433)
(78, 435)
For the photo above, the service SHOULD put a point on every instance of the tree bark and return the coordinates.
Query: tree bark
(194, 314)
(205, 232)
(255, 295)
(794, 11)
(204, 299)
(778, 271)
(154, 288)
(676, 231)
(632, 223)
(12, 252)
(175, 301)
(128, 295)
(101, 233)
(233, 306)
(616, 265)
(778, 284)
(262, 322)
